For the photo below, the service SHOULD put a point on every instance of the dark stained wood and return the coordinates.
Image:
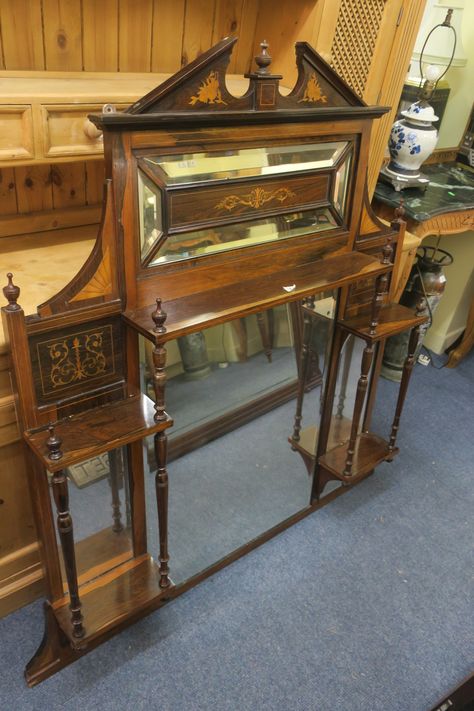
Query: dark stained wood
(406, 375)
(64, 521)
(56, 652)
(303, 375)
(362, 385)
(369, 450)
(308, 441)
(130, 590)
(394, 318)
(222, 205)
(161, 486)
(76, 361)
(210, 308)
(97, 431)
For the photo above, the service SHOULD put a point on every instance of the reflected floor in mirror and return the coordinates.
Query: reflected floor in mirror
(221, 496)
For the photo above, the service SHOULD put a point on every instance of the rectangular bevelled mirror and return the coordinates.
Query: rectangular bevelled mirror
(233, 391)
(196, 204)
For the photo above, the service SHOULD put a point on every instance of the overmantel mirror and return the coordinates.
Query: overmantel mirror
(204, 357)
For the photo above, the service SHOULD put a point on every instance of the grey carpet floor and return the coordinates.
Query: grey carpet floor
(366, 604)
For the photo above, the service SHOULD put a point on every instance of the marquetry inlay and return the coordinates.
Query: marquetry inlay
(209, 92)
(255, 199)
(313, 92)
(80, 356)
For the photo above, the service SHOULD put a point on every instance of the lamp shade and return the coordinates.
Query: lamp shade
(440, 45)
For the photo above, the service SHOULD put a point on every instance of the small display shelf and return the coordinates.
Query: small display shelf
(369, 450)
(393, 319)
(93, 432)
(344, 449)
(192, 313)
(121, 595)
(307, 443)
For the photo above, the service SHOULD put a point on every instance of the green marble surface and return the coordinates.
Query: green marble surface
(451, 189)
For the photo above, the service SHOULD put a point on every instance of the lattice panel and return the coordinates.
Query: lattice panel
(357, 28)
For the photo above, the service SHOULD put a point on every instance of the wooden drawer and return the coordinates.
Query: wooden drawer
(63, 130)
(16, 133)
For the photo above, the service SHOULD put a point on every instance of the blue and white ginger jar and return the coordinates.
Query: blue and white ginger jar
(412, 139)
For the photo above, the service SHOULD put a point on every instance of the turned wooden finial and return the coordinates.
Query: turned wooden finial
(11, 293)
(400, 212)
(387, 251)
(54, 443)
(159, 318)
(263, 60)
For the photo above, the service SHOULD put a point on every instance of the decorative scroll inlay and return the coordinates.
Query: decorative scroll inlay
(78, 357)
(209, 92)
(313, 92)
(255, 199)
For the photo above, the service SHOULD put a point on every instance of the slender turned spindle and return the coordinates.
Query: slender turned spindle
(159, 362)
(161, 443)
(64, 522)
(265, 326)
(381, 287)
(406, 375)
(161, 485)
(304, 362)
(359, 401)
(345, 377)
(114, 466)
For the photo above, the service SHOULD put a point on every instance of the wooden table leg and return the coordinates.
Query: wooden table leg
(457, 354)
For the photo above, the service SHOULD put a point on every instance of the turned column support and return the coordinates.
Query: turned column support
(161, 487)
(114, 468)
(406, 375)
(381, 286)
(161, 441)
(367, 357)
(304, 363)
(349, 349)
(66, 536)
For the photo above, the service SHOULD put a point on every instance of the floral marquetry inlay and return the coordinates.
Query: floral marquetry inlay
(209, 92)
(81, 356)
(255, 199)
(313, 92)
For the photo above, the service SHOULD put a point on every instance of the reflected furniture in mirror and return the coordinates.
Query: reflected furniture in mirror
(218, 210)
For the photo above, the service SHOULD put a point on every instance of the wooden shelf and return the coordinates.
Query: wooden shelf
(393, 319)
(205, 309)
(339, 433)
(99, 430)
(117, 598)
(369, 451)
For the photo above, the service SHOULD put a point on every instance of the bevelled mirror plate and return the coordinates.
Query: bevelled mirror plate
(238, 198)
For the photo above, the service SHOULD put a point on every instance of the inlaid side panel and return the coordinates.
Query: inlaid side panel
(76, 359)
(223, 203)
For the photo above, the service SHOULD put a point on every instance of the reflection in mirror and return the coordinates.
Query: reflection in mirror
(150, 212)
(341, 181)
(319, 317)
(223, 237)
(231, 390)
(99, 502)
(249, 162)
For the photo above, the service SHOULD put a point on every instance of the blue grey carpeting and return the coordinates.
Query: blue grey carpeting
(365, 605)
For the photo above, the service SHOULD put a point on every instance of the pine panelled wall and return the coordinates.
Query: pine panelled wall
(368, 42)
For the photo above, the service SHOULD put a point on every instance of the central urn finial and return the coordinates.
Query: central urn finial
(263, 60)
